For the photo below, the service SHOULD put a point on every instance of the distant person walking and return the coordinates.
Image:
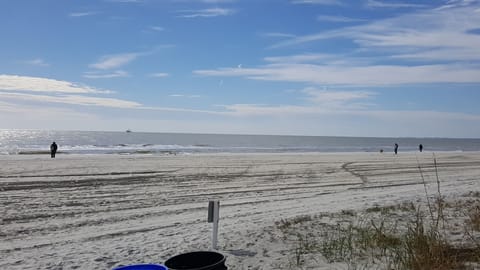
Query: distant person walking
(420, 147)
(53, 149)
(396, 149)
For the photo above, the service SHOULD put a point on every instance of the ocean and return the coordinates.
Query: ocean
(14, 142)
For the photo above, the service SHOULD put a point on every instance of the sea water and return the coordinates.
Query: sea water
(96, 142)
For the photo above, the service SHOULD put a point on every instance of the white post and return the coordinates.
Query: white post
(214, 216)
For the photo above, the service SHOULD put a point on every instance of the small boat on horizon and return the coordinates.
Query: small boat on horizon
(128, 131)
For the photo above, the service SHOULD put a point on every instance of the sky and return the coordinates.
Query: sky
(373, 68)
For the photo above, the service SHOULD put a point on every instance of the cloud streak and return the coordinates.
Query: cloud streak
(279, 35)
(37, 84)
(318, 2)
(339, 19)
(37, 62)
(216, 1)
(159, 75)
(82, 14)
(126, 1)
(300, 58)
(206, 13)
(114, 61)
(428, 46)
(337, 99)
(157, 28)
(380, 4)
(74, 100)
(109, 75)
(374, 75)
(443, 32)
(184, 96)
(320, 102)
(457, 3)
(35, 89)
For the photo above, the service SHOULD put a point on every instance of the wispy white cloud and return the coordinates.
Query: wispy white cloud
(337, 60)
(153, 29)
(279, 35)
(318, 2)
(126, 1)
(426, 29)
(206, 13)
(300, 58)
(425, 33)
(23, 88)
(238, 119)
(245, 110)
(40, 117)
(442, 54)
(103, 75)
(73, 100)
(8, 107)
(159, 75)
(207, 1)
(263, 109)
(389, 4)
(82, 14)
(320, 102)
(105, 67)
(114, 61)
(338, 99)
(354, 121)
(157, 28)
(420, 38)
(20, 88)
(373, 75)
(340, 19)
(37, 84)
(217, 1)
(37, 62)
(184, 96)
(457, 3)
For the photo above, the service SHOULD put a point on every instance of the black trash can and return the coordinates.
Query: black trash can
(198, 260)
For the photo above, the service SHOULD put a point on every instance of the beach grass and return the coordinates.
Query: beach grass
(405, 236)
(384, 240)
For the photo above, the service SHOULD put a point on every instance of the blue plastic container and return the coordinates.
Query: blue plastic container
(142, 267)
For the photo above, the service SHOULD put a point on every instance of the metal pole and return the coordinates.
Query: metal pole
(216, 214)
(213, 217)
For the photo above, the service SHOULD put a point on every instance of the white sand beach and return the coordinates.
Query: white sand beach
(102, 211)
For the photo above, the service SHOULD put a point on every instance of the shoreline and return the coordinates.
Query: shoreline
(226, 153)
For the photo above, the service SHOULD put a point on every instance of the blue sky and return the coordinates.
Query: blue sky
(300, 67)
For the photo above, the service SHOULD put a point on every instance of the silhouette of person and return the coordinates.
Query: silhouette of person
(420, 147)
(396, 148)
(53, 149)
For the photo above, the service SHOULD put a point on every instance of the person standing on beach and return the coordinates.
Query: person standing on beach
(53, 149)
(420, 147)
(396, 148)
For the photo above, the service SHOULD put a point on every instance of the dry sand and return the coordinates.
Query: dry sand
(99, 212)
